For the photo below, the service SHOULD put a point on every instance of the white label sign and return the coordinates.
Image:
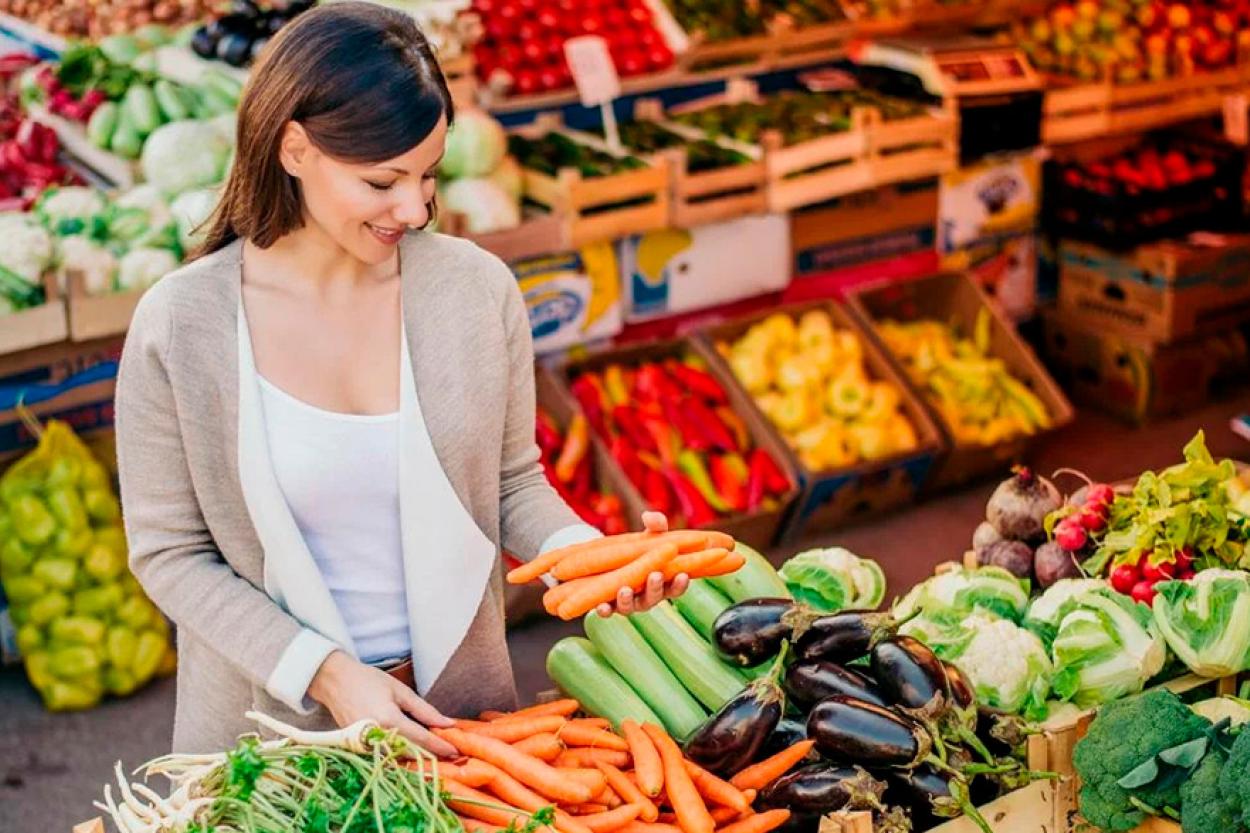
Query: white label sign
(592, 69)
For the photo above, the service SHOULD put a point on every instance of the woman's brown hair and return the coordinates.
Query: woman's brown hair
(363, 82)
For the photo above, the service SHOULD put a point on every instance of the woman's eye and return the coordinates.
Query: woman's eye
(430, 176)
(379, 186)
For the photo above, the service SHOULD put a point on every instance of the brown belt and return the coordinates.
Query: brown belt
(403, 673)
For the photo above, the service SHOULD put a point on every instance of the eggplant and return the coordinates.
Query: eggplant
(1003, 734)
(732, 738)
(911, 677)
(234, 49)
(824, 788)
(788, 732)
(807, 683)
(852, 731)
(931, 796)
(962, 694)
(204, 43)
(750, 632)
(844, 637)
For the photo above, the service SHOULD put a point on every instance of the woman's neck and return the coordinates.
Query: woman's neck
(308, 260)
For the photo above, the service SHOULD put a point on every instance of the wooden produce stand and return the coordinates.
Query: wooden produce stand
(1027, 810)
(99, 316)
(538, 235)
(37, 326)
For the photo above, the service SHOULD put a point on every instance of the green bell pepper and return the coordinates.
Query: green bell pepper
(100, 602)
(74, 662)
(61, 696)
(112, 537)
(15, 558)
(104, 564)
(78, 630)
(48, 607)
(29, 639)
(148, 655)
(34, 523)
(119, 682)
(39, 669)
(67, 508)
(122, 644)
(23, 590)
(135, 612)
(72, 543)
(58, 573)
(64, 473)
(102, 506)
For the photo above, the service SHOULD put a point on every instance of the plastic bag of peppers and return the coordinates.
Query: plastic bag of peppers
(84, 626)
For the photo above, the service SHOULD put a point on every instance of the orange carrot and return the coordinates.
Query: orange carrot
(592, 722)
(578, 734)
(472, 773)
(588, 775)
(695, 563)
(525, 768)
(472, 808)
(608, 558)
(554, 597)
(611, 820)
(759, 822)
(731, 563)
(750, 794)
(588, 809)
(475, 826)
(692, 814)
(603, 588)
(715, 790)
(563, 708)
(532, 570)
(724, 815)
(584, 757)
(629, 792)
(649, 827)
(647, 765)
(758, 776)
(513, 792)
(490, 714)
(608, 798)
(511, 731)
(544, 747)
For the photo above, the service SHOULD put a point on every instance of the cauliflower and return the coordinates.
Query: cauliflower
(140, 268)
(142, 218)
(74, 209)
(96, 264)
(27, 250)
(962, 591)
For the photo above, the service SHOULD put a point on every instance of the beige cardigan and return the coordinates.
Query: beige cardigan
(193, 543)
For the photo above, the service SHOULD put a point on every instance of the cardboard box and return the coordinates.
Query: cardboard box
(1160, 292)
(573, 297)
(1139, 380)
(84, 400)
(958, 300)
(37, 326)
(834, 497)
(863, 228)
(1005, 266)
(988, 199)
(99, 316)
(675, 270)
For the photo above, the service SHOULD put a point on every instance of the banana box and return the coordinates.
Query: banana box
(573, 298)
(988, 199)
(673, 271)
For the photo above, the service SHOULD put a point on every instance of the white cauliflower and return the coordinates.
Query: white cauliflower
(71, 209)
(140, 268)
(96, 264)
(27, 250)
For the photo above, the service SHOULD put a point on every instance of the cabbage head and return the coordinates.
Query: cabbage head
(486, 207)
(476, 144)
(991, 589)
(833, 579)
(1206, 621)
(1043, 615)
(184, 155)
(191, 210)
(1007, 665)
(1106, 646)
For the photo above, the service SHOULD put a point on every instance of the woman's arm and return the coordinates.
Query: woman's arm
(172, 552)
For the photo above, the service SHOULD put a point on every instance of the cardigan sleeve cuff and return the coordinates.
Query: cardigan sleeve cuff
(299, 663)
(569, 535)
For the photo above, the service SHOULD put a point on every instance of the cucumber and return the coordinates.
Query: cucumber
(222, 83)
(691, 659)
(170, 102)
(103, 123)
(126, 141)
(627, 652)
(577, 667)
(213, 102)
(756, 580)
(700, 605)
(139, 104)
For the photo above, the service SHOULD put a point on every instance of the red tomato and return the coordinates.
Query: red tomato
(529, 6)
(508, 56)
(1143, 592)
(631, 62)
(616, 17)
(640, 15)
(1124, 577)
(620, 40)
(534, 52)
(549, 18)
(1158, 572)
(497, 28)
(569, 7)
(528, 30)
(592, 24)
(509, 11)
(555, 47)
(483, 7)
(553, 77)
(660, 56)
(525, 82)
(648, 37)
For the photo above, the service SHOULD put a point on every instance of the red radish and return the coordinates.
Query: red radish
(1184, 559)
(1124, 578)
(1186, 575)
(1070, 535)
(1158, 572)
(1092, 520)
(1143, 592)
(1100, 493)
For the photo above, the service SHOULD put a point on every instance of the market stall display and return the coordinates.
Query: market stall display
(238, 37)
(82, 19)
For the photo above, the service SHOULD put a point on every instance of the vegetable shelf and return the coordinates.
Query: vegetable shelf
(99, 316)
(37, 326)
(1028, 810)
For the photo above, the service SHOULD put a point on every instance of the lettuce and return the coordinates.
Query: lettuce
(1206, 621)
(834, 579)
(990, 589)
(1106, 646)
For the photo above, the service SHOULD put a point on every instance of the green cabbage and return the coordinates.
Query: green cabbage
(476, 144)
(184, 155)
(834, 579)
(962, 591)
(1206, 621)
(1106, 646)
(1043, 614)
(1006, 664)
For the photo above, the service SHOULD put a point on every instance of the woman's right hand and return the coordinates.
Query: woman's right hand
(353, 691)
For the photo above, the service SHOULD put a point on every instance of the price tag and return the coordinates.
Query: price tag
(1236, 129)
(593, 71)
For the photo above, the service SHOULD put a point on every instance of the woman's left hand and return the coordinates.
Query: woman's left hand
(656, 591)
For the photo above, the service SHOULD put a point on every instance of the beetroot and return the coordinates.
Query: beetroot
(1052, 562)
(1019, 506)
(986, 535)
(1016, 557)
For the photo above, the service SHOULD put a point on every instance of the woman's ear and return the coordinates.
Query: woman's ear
(294, 149)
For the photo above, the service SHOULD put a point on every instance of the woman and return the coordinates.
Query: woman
(326, 422)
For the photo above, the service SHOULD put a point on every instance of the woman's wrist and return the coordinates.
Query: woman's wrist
(326, 681)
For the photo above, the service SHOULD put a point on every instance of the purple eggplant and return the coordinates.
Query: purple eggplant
(911, 677)
(931, 796)
(751, 632)
(855, 732)
(824, 788)
(963, 696)
(807, 683)
(844, 637)
(788, 732)
(732, 738)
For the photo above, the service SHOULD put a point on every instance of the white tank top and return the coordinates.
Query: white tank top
(339, 474)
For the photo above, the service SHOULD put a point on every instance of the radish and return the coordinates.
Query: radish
(1124, 578)
(1070, 535)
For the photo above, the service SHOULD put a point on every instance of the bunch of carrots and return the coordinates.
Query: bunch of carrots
(593, 572)
(596, 781)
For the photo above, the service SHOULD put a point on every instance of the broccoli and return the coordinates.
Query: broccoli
(1126, 736)
(1205, 807)
(1234, 781)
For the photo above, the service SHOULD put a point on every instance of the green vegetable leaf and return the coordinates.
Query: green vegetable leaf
(1186, 755)
(1140, 776)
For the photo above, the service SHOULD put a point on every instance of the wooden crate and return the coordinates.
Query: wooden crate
(536, 236)
(461, 75)
(1027, 810)
(122, 173)
(593, 206)
(99, 316)
(818, 170)
(37, 326)
(916, 148)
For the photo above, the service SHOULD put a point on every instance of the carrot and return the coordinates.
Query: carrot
(758, 776)
(588, 809)
(695, 563)
(692, 814)
(609, 798)
(584, 757)
(525, 768)
(472, 802)
(554, 597)
(592, 722)
(564, 708)
(588, 775)
(577, 734)
(511, 731)
(731, 563)
(612, 820)
(475, 826)
(724, 815)
(490, 714)
(544, 747)
(607, 558)
(647, 765)
(715, 790)
(629, 792)
(603, 588)
(531, 570)
(648, 827)
(758, 823)
(514, 792)
(472, 773)
(750, 795)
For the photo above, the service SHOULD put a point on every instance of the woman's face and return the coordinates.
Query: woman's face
(365, 209)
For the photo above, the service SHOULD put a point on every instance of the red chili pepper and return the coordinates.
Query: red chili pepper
(709, 424)
(625, 456)
(699, 382)
(667, 443)
(609, 508)
(692, 436)
(630, 424)
(546, 434)
(589, 394)
(729, 484)
(656, 492)
(775, 480)
(583, 479)
(756, 483)
(575, 450)
(691, 501)
(653, 385)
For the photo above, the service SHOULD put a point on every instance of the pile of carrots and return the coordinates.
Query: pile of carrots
(593, 572)
(597, 781)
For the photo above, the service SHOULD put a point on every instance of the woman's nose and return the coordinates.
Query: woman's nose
(413, 213)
